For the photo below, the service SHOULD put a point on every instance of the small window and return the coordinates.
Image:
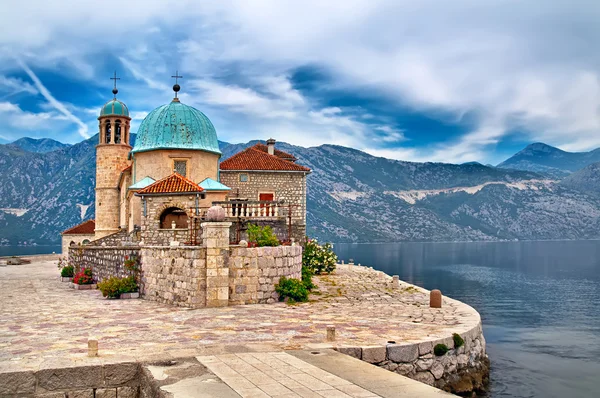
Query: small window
(180, 167)
(243, 177)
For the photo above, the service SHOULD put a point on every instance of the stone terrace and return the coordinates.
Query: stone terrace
(42, 319)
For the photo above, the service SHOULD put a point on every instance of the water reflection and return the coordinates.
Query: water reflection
(538, 302)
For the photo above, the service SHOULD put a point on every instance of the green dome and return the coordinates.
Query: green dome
(176, 126)
(114, 107)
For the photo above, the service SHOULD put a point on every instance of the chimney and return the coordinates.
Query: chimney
(271, 146)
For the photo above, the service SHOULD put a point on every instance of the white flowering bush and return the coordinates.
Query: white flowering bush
(320, 259)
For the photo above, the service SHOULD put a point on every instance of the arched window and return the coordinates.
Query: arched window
(107, 132)
(173, 216)
(72, 243)
(118, 132)
(85, 242)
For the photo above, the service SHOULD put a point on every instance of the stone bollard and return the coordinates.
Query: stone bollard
(342, 262)
(395, 282)
(92, 348)
(351, 261)
(435, 299)
(330, 333)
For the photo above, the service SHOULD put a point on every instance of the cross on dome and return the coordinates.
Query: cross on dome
(176, 86)
(115, 78)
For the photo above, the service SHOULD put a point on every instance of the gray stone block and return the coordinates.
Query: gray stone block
(81, 394)
(373, 354)
(106, 393)
(352, 351)
(120, 373)
(127, 392)
(403, 353)
(70, 378)
(17, 383)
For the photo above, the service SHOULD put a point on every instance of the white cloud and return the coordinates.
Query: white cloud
(83, 128)
(534, 73)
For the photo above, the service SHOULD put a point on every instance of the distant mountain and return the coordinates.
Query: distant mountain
(41, 145)
(547, 159)
(586, 180)
(352, 197)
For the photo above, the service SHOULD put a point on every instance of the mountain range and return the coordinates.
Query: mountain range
(539, 193)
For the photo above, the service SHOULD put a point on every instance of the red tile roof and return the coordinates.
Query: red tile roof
(87, 227)
(175, 183)
(278, 153)
(128, 168)
(256, 160)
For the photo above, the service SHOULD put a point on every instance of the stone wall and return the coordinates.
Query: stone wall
(289, 187)
(253, 272)
(174, 275)
(461, 370)
(95, 380)
(105, 261)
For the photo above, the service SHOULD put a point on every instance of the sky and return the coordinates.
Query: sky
(444, 81)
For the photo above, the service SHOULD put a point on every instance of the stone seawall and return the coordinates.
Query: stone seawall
(105, 261)
(462, 369)
(253, 272)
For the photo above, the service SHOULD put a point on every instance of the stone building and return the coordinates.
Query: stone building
(81, 234)
(153, 201)
(163, 185)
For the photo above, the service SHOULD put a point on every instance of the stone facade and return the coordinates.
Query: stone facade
(151, 232)
(253, 272)
(76, 240)
(174, 275)
(159, 164)
(111, 159)
(289, 187)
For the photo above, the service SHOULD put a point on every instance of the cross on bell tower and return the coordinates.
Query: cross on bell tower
(115, 78)
(176, 87)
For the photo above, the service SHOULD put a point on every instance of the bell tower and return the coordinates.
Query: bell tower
(112, 154)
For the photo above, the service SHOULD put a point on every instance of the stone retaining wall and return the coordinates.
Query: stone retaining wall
(174, 275)
(105, 261)
(120, 380)
(253, 272)
(461, 370)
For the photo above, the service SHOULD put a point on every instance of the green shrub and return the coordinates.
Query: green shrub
(292, 289)
(114, 286)
(262, 236)
(110, 287)
(440, 350)
(320, 259)
(307, 275)
(458, 341)
(67, 271)
(129, 285)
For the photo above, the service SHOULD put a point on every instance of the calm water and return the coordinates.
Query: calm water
(539, 302)
(28, 250)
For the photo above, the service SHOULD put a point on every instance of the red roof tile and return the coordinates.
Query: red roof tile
(278, 153)
(87, 227)
(175, 183)
(256, 160)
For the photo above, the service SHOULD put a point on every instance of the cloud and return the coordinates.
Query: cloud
(83, 128)
(470, 65)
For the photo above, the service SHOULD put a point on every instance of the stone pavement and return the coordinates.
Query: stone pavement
(42, 319)
(295, 374)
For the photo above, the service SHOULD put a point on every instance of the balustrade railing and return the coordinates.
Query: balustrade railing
(251, 209)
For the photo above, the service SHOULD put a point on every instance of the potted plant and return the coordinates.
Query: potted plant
(84, 280)
(115, 287)
(66, 271)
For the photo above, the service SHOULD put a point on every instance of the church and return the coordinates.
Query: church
(159, 190)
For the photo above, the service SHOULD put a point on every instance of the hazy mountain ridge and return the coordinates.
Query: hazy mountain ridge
(547, 159)
(41, 145)
(352, 196)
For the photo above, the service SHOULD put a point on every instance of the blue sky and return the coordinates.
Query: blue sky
(412, 80)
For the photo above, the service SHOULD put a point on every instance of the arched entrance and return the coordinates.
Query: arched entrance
(173, 215)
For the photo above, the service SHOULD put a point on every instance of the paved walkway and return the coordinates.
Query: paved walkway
(42, 319)
(295, 374)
